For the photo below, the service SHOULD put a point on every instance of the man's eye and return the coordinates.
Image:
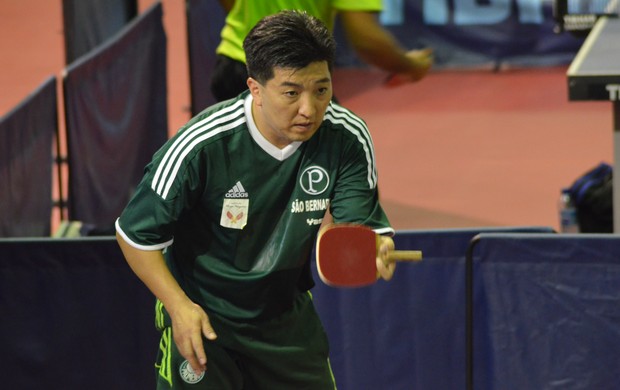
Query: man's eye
(323, 91)
(290, 93)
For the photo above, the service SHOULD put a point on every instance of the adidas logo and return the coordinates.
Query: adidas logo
(237, 192)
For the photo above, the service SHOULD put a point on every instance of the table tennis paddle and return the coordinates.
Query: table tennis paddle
(394, 80)
(346, 255)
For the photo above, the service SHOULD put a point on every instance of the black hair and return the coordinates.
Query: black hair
(288, 39)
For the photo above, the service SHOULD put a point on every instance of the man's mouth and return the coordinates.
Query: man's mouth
(304, 125)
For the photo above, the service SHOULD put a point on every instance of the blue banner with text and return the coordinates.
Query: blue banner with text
(477, 33)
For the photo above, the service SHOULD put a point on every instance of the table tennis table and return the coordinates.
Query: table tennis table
(594, 74)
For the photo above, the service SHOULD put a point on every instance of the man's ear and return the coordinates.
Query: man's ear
(254, 87)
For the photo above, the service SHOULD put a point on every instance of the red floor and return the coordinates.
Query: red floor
(479, 148)
(460, 148)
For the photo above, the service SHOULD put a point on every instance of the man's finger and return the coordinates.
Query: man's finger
(187, 350)
(385, 269)
(207, 330)
(198, 358)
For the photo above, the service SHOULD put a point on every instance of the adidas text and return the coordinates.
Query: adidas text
(236, 195)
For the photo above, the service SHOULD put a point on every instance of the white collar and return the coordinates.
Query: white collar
(268, 147)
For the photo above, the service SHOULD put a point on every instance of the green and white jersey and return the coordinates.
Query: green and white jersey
(238, 217)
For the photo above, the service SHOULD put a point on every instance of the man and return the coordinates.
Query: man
(235, 201)
(359, 18)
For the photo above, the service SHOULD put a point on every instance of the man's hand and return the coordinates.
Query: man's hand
(385, 268)
(420, 62)
(189, 321)
(189, 324)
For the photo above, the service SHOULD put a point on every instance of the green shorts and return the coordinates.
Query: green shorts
(288, 352)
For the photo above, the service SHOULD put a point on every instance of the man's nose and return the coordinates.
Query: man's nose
(307, 105)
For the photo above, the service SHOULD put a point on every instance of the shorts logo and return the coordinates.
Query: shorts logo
(188, 374)
(314, 180)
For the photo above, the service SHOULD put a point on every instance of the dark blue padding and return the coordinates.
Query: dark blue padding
(26, 139)
(74, 316)
(88, 23)
(205, 20)
(550, 311)
(116, 118)
(408, 333)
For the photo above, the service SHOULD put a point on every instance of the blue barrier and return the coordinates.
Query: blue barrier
(549, 313)
(74, 316)
(410, 332)
(116, 118)
(27, 133)
(546, 315)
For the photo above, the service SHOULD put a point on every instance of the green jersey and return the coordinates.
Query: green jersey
(245, 14)
(238, 217)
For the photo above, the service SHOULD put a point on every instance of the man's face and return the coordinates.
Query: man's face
(291, 105)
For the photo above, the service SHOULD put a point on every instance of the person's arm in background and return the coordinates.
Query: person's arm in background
(377, 46)
(227, 4)
(189, 321)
